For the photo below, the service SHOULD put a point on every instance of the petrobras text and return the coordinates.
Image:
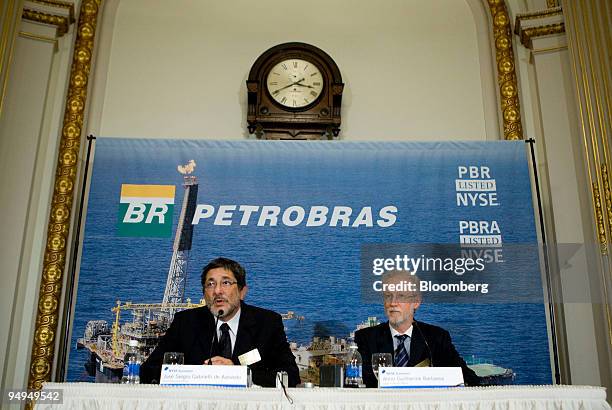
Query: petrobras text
(295, 215)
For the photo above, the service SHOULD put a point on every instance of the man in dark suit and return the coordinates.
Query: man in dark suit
(240, 329)
(411, 343)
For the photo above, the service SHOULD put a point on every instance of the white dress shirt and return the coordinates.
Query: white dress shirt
(406, 341)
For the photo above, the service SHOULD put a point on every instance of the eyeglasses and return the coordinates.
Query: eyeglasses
(225, 284)
(400, 297)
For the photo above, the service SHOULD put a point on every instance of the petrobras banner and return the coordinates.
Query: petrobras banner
(317, 225)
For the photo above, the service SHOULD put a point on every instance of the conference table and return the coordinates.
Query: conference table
(150, 397)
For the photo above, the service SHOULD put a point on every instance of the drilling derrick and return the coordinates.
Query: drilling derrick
(107, 345)
(177, 274)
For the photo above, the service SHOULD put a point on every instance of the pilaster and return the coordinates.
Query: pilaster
(589, 34)
(28, 145)
(570, 200)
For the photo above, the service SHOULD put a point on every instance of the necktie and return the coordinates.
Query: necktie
(401, 355)
(225, 343)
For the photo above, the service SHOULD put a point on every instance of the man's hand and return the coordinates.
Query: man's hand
(219, 360)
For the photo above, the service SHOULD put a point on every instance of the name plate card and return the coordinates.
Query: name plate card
(203, 375)
(419, 377)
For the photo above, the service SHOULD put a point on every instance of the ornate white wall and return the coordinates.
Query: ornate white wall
(178, 69)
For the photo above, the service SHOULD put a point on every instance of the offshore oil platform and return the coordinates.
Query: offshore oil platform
(331, 350)
(149, 321)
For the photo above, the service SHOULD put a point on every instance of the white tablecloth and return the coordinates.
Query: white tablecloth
(150, 397)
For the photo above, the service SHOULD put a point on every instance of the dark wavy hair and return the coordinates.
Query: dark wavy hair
(227, 264)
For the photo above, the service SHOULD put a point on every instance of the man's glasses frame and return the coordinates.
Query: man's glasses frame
(225, 284)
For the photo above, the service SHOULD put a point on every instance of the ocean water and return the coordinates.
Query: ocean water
(314, 271)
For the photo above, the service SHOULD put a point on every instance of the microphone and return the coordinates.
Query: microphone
(431, 364)
(280, 383)
(212, 342)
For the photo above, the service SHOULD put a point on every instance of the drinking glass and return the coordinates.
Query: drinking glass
(381, 360)
(174, 358)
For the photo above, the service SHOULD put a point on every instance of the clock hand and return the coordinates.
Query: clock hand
(287, 86)
(304, 85)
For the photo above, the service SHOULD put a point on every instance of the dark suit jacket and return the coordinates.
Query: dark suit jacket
(191, 333)
(441, 352)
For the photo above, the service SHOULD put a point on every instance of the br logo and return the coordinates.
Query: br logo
(146, 210)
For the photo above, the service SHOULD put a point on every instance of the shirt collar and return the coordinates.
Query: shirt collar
(232, 323)
(395, 332)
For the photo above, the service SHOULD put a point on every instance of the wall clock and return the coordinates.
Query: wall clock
(294, 92)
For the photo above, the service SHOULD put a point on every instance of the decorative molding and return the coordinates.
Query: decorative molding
(506, 70)
(552, 3)
(548, 49)
(601, 230)
(556, 11)
(60, 22)
(43, 349)
(529, 34)
(607, 192)
(38, 37)
(52, 12)
(528, 26)
(57, 3)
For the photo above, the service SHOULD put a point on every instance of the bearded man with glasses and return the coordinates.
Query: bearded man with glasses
(240, 328)
(410, 342)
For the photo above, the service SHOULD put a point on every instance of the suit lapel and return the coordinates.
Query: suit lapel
(417, 347)
(244, 337)
(205, 326)
(384, 340)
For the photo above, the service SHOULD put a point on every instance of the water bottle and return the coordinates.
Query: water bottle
(131, 364)
(352, 368)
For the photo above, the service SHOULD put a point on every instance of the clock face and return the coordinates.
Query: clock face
(295, 83)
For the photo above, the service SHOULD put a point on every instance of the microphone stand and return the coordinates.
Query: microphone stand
(416, 325)
(214, 338)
